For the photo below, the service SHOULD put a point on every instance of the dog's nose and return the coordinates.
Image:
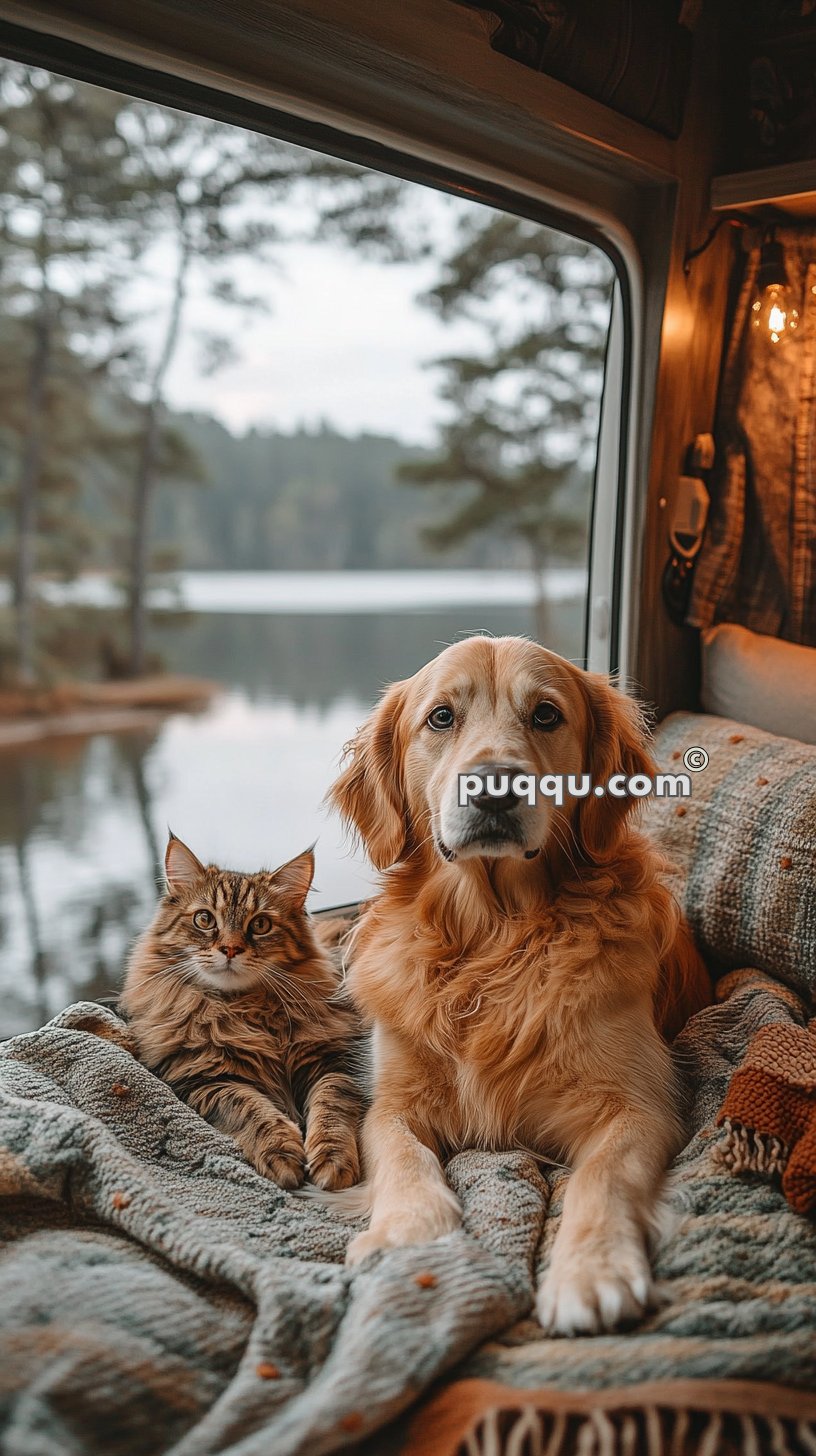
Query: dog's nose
(496, 773)
(231, 950)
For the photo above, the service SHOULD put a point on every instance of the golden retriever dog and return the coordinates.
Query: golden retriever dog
(519, 965)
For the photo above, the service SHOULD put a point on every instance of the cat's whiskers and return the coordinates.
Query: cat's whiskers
(182, 969)
(284, 984)
(347, 948)
(282, 1003)
(182, 974)
(280, 982)
(289, 995)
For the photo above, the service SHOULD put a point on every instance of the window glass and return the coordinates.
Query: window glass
(268, 421)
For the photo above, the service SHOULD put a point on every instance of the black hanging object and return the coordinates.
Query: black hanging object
(687, 528)
(677, 577)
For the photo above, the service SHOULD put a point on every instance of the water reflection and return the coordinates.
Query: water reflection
(83, 822)
(317, 660)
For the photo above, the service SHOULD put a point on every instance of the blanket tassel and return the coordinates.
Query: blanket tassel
(648, 1431)
(743, 1150)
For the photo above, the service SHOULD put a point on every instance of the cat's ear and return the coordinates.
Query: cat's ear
(294, 878)
(181, 866)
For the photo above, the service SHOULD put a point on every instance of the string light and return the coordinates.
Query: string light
(772, 310)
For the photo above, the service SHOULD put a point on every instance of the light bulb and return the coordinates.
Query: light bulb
(773, 314)
(772, 311)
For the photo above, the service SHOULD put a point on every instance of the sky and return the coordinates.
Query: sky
(344, 339)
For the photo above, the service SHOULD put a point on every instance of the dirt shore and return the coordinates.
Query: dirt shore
(30, 714)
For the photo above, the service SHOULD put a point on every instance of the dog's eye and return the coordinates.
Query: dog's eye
(203, 920)
(546, 716)
(441, 718)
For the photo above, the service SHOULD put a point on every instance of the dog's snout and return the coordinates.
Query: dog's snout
(494, 776)
(509, 800)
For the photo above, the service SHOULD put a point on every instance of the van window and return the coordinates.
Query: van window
(274, 422)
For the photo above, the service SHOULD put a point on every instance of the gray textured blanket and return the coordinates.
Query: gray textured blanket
(157, 1295)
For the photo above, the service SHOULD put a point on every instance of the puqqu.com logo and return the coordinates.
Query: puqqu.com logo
(695, 760)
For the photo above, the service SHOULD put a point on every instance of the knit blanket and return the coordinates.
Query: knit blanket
(158, 1296)
(769, 1113)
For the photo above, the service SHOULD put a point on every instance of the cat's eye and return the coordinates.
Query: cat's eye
(260, 925)
(546, 716)
(203, 920)
(441, 718)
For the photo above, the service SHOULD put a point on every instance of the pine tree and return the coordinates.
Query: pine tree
(63, 235)
(518, 444)
(221, 195)
(88, 181)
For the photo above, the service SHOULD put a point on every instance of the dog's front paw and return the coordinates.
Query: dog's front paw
(364, 1244)
(390, 1233)
(587, 1293)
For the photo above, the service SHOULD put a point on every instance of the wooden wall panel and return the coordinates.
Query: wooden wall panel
(665, 657)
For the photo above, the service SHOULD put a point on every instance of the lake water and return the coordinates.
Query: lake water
(83, 821)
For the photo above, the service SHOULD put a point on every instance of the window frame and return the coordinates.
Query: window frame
(610, 615)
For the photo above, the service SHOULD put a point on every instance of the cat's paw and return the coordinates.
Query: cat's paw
(286, 1169)
(332, 1166)
(277, 1151)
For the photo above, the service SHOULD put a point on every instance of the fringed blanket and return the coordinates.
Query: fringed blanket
(769, 1113)
(159, 1296)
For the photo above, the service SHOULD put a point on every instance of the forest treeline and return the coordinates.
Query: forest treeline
(316, 500)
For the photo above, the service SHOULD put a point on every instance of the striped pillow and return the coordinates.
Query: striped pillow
(743, 845)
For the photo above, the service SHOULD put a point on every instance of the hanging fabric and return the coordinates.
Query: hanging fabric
(757, 565)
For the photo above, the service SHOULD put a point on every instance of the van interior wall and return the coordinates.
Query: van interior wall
(424, 79)
(687, 361)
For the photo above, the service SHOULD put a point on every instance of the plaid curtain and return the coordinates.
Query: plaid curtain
(757, 565)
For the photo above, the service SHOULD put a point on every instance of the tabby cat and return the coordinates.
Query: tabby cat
(236, 1005)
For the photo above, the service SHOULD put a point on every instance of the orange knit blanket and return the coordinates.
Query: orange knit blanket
(769, 1112)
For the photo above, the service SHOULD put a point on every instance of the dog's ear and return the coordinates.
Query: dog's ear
(618, 744)
(369, 794)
